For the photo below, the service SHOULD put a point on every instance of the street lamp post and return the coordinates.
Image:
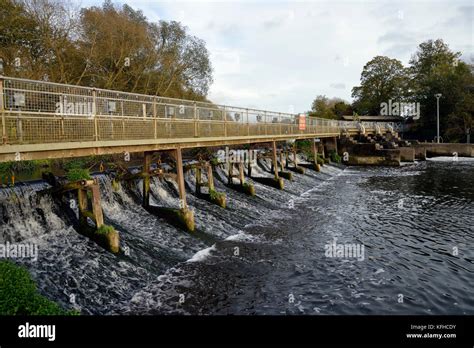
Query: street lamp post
(437, 95)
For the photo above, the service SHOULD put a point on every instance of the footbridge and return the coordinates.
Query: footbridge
(42, 120)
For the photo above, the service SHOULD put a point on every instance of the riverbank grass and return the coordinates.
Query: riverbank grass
(19, 295)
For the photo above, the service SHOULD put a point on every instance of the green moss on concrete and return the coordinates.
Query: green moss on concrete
(248, 189)
(107, 237)
(279, 183)
(19, 295)
(218, 197)
(299, 169)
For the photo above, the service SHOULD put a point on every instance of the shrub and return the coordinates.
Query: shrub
(19, 296)
(76, 174)
(215, 195)
(335, 157)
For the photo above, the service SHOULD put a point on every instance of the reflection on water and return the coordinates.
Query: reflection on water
(266, 254)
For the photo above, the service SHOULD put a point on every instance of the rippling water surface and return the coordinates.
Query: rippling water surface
(266, 254)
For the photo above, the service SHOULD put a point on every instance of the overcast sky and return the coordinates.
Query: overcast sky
(279, 55)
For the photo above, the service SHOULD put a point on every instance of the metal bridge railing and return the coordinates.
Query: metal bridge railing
(35, 112)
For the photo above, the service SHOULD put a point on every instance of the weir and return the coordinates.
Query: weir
(89, 207)
(37, 122)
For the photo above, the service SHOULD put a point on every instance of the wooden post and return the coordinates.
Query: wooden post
(335, 144)
(82, 206)
(315, 152)
(198, 180)
(295, 159)
(281, 160)
(96, 207)
(249, 168)
(146, 178)
(180, 176)
(274, 159)
(241, 173)
(230, 173)
(210, 178)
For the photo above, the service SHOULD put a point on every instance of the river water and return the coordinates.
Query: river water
(412, 227)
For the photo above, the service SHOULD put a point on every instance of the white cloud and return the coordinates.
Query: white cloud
(275, 54)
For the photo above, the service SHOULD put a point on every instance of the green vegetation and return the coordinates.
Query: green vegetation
(68, 44)
(333, 155)
(19, 296)
(433, 69)
(214, 161)
(333, 108)
(9, 168)
(76, 174)
(249, 188)
(105, 229)
(216, 195)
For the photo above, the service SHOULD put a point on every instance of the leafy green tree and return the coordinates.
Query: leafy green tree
(382, 79)
(103, 46)
(321, 107)
(333, 108)
(436, 69)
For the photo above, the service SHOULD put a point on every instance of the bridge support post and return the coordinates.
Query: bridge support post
(241, 173)
(82, 206)
(282, 168)
(198, 180)
(274, 160)
(323, 152)
(105, 236)
(315, 155)
(96, 207)
(180, 179)
(210, 177)
(277, 179)
(146, 179)
(296, 168)
(230, 172)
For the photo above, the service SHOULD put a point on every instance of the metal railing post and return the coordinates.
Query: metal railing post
(248, 122)
(195, 115)
(265, 122)
(225, 122)
(154, 118)
(2, 111)
(94, 114)
(279, 121)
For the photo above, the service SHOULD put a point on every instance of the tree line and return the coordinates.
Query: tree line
(433, 69)
(107, 46)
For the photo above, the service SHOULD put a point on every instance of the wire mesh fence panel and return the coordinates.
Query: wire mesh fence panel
(43, 112)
